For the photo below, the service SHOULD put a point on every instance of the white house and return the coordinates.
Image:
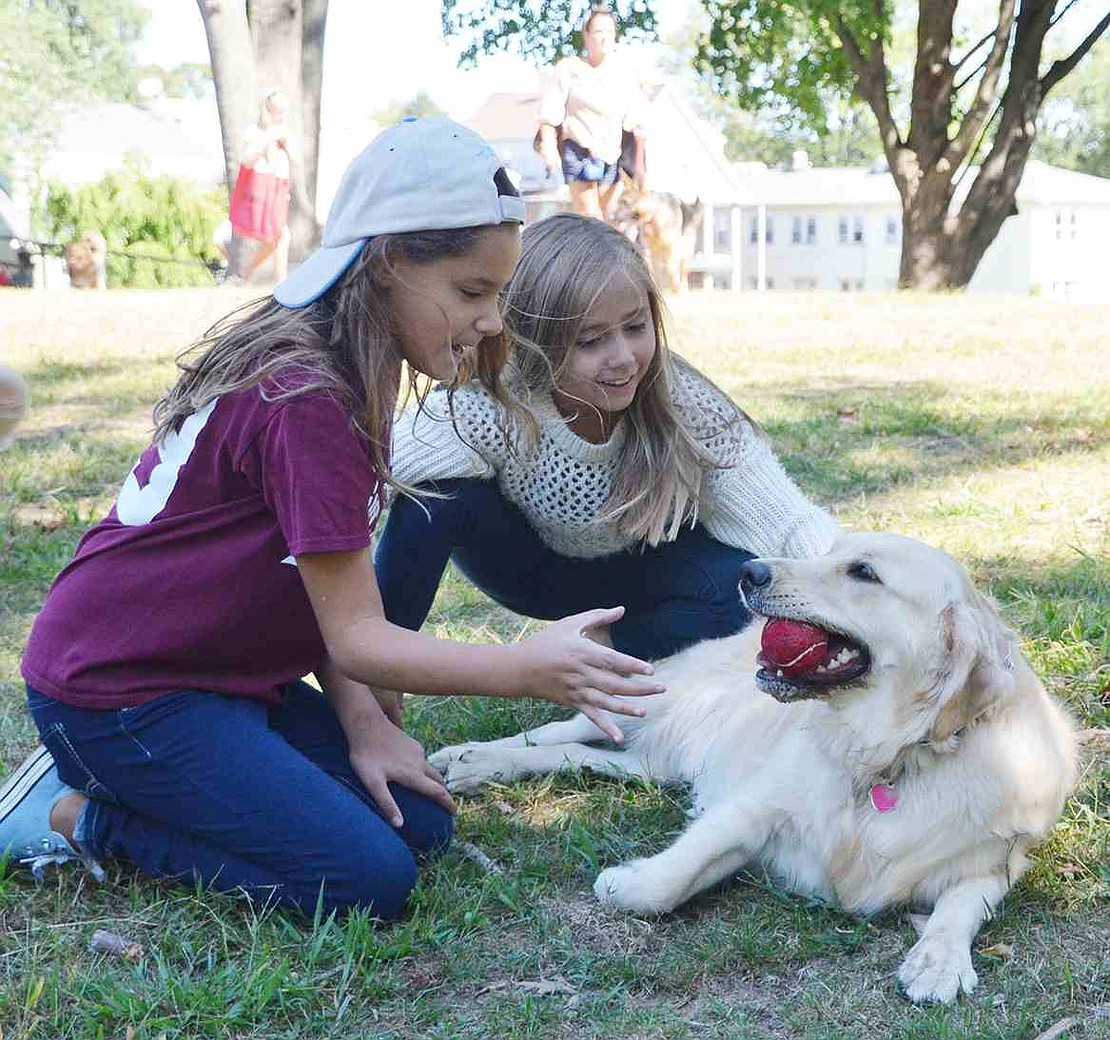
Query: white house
(175, 136)
(840, 229)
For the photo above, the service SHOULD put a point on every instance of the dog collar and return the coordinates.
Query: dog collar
(883, 797)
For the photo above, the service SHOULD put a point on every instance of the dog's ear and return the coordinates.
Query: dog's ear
(978, 671)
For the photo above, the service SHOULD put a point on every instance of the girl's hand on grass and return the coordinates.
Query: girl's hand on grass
(562, 665)
(382, 754)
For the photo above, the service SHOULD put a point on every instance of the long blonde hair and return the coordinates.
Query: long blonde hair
(566, 262)
(346, 339)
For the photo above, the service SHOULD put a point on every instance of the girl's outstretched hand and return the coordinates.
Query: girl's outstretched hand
(560, 664)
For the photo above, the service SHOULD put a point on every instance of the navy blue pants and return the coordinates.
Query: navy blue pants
(674, 595)
(240, 796)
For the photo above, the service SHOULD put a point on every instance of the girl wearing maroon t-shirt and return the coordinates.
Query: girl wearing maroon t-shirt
(163, 672)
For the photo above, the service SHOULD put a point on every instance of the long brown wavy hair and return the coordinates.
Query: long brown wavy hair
(347, 339)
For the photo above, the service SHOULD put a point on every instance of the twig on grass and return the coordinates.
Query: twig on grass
(1054, 1031)
(476, 855)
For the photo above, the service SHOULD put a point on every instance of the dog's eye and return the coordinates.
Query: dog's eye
(863, 572)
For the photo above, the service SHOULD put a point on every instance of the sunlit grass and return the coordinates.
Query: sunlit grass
(982, 426)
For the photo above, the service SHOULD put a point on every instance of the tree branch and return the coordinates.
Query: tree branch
(870, 70)
(1060, 14)
(985, 40)
(933, 75)
(1059, 69)
(985, 94)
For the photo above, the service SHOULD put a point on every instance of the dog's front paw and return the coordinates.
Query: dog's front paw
(936, 969)
(465, 767)
(632, 886)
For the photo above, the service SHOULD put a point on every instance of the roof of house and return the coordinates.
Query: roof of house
(179, 136)
(873, 186)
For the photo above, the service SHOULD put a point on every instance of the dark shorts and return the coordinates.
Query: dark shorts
(579, 165)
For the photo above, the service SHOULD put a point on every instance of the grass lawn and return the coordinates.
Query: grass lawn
(982, 426)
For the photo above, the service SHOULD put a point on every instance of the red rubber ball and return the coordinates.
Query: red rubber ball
(793, 647)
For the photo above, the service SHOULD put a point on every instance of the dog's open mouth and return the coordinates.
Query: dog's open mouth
(799, 659)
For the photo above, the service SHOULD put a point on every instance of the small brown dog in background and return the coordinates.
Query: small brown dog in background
(667, 228)
(15, 399)
(86, 262)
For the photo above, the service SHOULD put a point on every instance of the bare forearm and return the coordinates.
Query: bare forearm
(355, 705)
(378, 653)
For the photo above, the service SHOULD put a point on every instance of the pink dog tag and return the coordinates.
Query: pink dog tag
(883, 798)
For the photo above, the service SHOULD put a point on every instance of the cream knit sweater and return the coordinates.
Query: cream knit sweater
(562, 484)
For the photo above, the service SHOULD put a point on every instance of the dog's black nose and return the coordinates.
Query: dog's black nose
(754, 575)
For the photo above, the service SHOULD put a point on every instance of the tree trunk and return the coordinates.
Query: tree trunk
(942, 244)
(233, 71)
(277, 26)
(312, 85)
(280, 46)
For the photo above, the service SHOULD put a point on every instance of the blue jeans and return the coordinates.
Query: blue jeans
(674, 595)
(240, 796)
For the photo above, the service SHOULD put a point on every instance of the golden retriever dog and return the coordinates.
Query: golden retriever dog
(86, 262)
(667, 228)
(886, 745)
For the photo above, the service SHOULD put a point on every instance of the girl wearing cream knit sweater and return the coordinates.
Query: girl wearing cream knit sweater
(620, 474)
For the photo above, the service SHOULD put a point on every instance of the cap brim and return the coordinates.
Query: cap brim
(317, 274)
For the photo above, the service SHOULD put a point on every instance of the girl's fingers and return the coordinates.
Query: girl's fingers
(598, 698)
(614, 674)
(615, 661)
(597, 617)
(433, 789)
(606, 725)
(379, 791)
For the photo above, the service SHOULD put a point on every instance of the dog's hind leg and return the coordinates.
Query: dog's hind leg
(467, 766)
(939, 965)
(725, 837)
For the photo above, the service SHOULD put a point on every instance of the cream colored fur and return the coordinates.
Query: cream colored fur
(950, 712)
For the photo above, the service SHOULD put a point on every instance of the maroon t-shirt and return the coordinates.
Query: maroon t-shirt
(190, 583)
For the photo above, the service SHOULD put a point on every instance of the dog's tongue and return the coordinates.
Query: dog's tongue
(793, 647)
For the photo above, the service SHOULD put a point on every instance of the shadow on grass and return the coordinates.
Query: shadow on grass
(863, 437)
(116, 385)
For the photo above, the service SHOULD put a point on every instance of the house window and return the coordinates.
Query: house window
(857, 231)
(890, 231)
(796, 232)
(845, 285)
(770, 229)
(722, 230)
(753, 282)
(842, 231)
(1065, 225)
(770, 283)
(811, 232)
(805, 284)
(753, 236)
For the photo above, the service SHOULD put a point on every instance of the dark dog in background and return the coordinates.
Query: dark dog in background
(86, 261)
(667, 229)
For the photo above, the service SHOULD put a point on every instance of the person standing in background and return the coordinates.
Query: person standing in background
(260, 201)
(591, 103)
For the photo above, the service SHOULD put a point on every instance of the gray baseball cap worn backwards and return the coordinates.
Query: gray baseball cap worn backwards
(420, 175)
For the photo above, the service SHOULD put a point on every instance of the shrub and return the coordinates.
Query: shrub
(158, 228)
